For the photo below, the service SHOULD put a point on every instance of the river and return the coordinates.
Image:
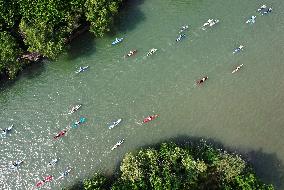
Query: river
(242, 111)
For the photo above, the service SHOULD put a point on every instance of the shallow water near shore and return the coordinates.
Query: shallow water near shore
(243, 111)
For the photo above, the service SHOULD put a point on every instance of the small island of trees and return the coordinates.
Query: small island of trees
(198, 167)
(32, 29)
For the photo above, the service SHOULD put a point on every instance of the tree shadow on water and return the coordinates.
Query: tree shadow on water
(268, 167)
(129, 16)
(30, 71)
(82, 45)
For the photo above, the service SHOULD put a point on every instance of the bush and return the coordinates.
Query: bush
(171, 167)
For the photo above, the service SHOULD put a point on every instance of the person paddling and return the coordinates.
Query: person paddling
(60, 134)
(202, 80)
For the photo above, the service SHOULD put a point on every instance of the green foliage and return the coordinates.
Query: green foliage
(171, 167)
(100, 14)
(130, 169)
(9, 14)
(230, 166)
(45, 26)
(98, 182)
(9, 52)
(40, 39)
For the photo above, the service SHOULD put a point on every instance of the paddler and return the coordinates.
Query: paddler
(60, 134)
(202, 80)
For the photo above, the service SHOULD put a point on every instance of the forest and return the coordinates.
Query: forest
(34, 29)
(197, 166)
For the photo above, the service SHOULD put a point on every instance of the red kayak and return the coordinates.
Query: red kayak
(150, 118)
(46, 179)
(202, 80)
(60, 134)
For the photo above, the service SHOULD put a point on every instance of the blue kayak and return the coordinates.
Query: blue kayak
(77, 123)
(180, 37)
(117, 40)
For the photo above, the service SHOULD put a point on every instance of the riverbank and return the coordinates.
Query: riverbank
(30, 32)
(169, 166)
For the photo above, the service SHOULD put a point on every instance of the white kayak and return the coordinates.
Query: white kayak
(251, 20)
(52, 162)
(117, 144)
(64, 174)
(183, 28)
(210, 23)
(115, 123)
(16, 164)
(75, 108)
(81, 69)
(237, 68)
(6, 130)
(151, 52)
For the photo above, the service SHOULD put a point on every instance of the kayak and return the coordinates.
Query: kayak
(75, 108)
(237, 68)
(183, 28)
(251, 20)
(151, 52)
(16, 164)
(238, 49)
(116, 41)
(117, 144)
(264, 10)
(60, 134)
(210, 23)
(81, 69)
(202, 80)
(131, 53)
(46, 179)
(64, 174)
(115, 123)
(180, 37)
(77, 123)
(6, 130)
(150, 118)
(52, 162)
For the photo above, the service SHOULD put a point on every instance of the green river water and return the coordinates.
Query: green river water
(242, 111)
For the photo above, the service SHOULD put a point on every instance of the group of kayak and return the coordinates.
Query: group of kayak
(83, 119)
(181, 33)
(16, 164)
(73, 125)
(263, 10)
(50, 178)
(120, 142)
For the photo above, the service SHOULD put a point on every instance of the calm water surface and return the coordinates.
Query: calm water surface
(243, 111)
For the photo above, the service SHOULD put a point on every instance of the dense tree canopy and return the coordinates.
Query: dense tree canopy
(170, 167)
(9, 51)
(45, 26)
